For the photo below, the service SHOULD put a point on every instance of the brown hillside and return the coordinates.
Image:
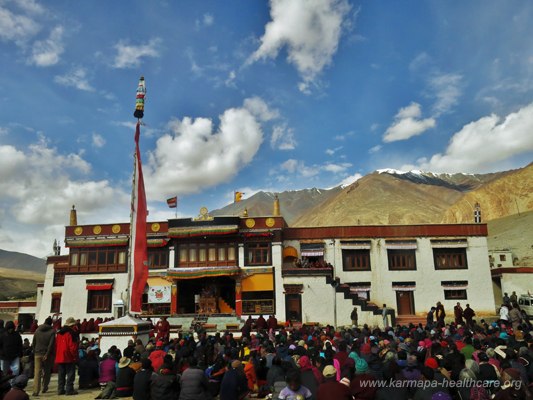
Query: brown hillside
(383, 199)
(513, 233)
(507, 195)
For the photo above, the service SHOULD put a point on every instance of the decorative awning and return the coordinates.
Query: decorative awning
(403, 286)
(447, 244)
(293, 288)
(401, 245)
(202, 272)
(56, 295)
(258, 283)
(312, 253)
(192, 231)
(97, 242)
(363, 245)
(290, 251)
(157, 242)
(454, 285)
(102, 284)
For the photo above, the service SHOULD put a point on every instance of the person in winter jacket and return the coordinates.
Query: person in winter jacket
(66, 357)
(142, 381)
(10, 349)
(234, 384)
(194, 384)
(17, 390)
(164, 384)
(43, 346)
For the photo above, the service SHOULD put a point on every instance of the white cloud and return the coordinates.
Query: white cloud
(4, 130)
(282, 138)
(208, 19)
(350, 179)
(309, 30)
(47, 52)
(196, 154)
(31, 6)
(129, 56)
(299, 167)
(17, 28)
(38, 185)
(76, 78)
(447, 90)
(336, 168)
(260, 109)
(98, 140)
(407, 123)
(481, 145)
(421, 60)
(375, 149)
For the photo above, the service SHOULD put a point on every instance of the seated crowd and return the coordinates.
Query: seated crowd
(454, 361)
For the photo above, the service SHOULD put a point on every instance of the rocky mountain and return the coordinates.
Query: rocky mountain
(11, 260)
(293, 203)
(513, 233)
(396, 197)
(510, 193)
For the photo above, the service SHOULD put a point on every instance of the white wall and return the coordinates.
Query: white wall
(519, 283)
(317, 299)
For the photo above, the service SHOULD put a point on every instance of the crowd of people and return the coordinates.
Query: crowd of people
(460, 359)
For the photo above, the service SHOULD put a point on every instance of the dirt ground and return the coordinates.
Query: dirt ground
(52, 391)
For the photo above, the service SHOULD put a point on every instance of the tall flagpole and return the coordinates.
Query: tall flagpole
(138, 252)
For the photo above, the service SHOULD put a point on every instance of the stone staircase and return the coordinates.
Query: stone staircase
(224, 307)
(408, 319)
(365, 305)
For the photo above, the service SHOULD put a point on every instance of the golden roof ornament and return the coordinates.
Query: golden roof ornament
(276, 212)
(245, 213)
(73, 216)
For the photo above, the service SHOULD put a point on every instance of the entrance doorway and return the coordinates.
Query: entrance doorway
(293, 307)
(221, 287)
(405, 302)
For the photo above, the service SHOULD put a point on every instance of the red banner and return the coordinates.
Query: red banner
(139, 252)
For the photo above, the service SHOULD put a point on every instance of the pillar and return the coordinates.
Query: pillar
(174, 299)
(238, 296)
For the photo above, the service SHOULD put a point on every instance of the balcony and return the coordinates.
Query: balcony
(292, 270)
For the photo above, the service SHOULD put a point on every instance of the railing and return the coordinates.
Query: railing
(295, 271)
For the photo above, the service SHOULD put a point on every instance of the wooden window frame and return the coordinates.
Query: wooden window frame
(89, 259)
(455, 294)
(258, 253)
(401, 259)
(356, 260)
(99, 301)
(450, 258)
(55, 304)
(158, 258)
(186, 250)
(59, 276)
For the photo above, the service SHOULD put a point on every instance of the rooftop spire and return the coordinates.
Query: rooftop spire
(276, 212)
(73, 216)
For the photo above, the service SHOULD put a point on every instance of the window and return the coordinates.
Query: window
(55, 307)
(99, 301)
(258, 253)
(502, 257)
(157, 258)
(452, 258)
(59, 276)
(356, 260)
(455, 294)
(201, 254)
(402, 259)
(101, 257)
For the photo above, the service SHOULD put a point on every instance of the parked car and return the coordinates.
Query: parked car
(525, 302)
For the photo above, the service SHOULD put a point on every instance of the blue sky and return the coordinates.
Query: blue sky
(248, 95)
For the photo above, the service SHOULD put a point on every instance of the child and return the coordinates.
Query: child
(294, 389)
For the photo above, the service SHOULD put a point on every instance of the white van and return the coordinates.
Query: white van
(525, 302)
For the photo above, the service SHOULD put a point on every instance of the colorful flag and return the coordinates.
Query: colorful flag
(173, 202)
(138, 242)
(237, 197)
